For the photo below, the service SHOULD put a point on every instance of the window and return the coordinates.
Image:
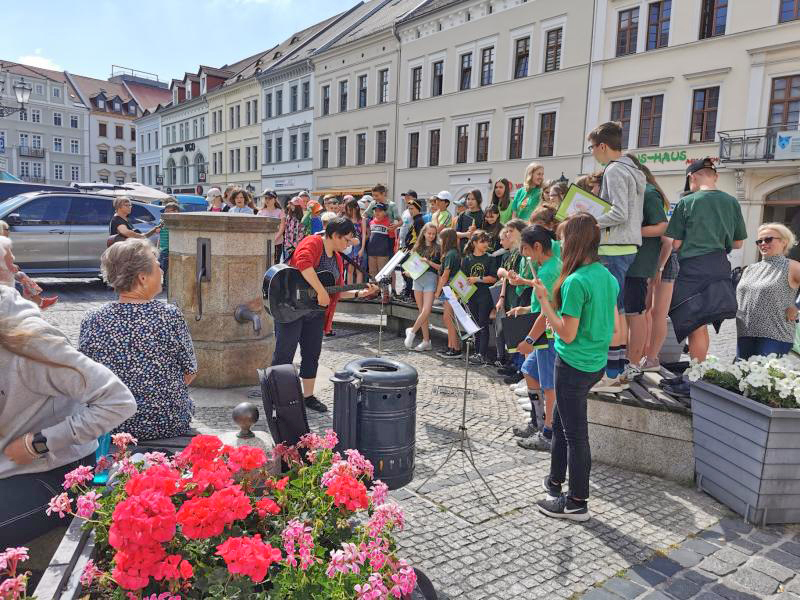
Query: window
(434, 138)
(203, 126)
(255, 112)
(268, 151)
(413, 150)
(238, 116)
(268, 105)
(547, 133)
(58, 144)
(23, 140)
(361, 148)
(36, 115)
(784, 103)
(133, 132)
(103, 157)
(323, 154)
(487, 65)
(37, 169)
(326, 99)
(133, 159)
(278, 102)
(627, 30)
(383, 86)
(416, 83)
(279, 149)
(713, 14)
(482, 148)
(790, 11)
(247, 119)
(362, 91)
(39, 89)
(293, 98)
(380, 146)
(621, 111)
(437, 78)
(704, 115)
(658, 14)
(90, 211)
(462, 142)
(56, 93)
(306, 94)
(255, 157)
(293, 147)
(306, 143)
(36, 141)
(155, 135)
(117, 105)
(24, 168)
(58, 172)
(522, 49)
(552, 55)
(101, 104)
(247, 159)
(57, 119)
(75, 173)
(73, 121)
(342, 158)
(43, 211)
(465, 81)
(120, 158)
(118, 132)
(515, 138)
(343, 96)
(650, 121)
(23, 115)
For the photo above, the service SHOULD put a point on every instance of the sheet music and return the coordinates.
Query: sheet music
(387, 271)
(464, 319)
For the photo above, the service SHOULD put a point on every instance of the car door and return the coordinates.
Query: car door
(89, 219)
(40, 235)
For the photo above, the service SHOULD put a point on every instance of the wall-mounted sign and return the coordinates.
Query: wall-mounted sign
(787, 145)
(176, 149)
(159, 180)
(670, 157)
(185, 148)
(2, 144)
(284, 183)
(201, 177)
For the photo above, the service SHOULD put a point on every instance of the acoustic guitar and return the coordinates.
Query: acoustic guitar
(288, 296)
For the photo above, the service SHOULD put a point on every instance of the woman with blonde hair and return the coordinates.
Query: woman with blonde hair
(767, 314)
(121, 227)
(424, 286)
(527, 197)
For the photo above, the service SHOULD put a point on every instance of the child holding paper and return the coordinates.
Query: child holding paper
(425, 286)
(480, 269)
(451, 264)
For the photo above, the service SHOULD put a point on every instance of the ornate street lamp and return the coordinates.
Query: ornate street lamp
(22, 90)
(563, 179)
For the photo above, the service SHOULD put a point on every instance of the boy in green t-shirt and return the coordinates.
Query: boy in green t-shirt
(705, 226)
(171, 206)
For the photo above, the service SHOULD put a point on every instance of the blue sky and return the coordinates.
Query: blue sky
(165, 37)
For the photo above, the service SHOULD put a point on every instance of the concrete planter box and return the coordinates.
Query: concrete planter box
(747, 455)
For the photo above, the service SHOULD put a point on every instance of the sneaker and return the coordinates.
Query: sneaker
(423, 346)
(314, 404)
(650, 365)
(450, 353)
(525, 432)
(410, 335)
(522, 392)
(553, 489)
(536, 442)
(477, 360)
(520, 383)
(564, 507)
(681, 389)
(514, 378)
(526, 406)
(608, 385)
(671, 381)
(631, 373)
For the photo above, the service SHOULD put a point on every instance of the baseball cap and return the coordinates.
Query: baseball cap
(213, 192)
(460, 201)
(411, 193)
(296, 201)
(315, 207)
(444, 195)
(698, 165)
(269, 192)
(415, 203)
(363, 202)
(304, 193)
(380, 205)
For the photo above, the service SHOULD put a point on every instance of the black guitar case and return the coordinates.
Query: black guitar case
(283, 404)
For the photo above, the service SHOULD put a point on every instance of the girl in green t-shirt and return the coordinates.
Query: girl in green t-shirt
(527, 197)
(480, 269)
(501, 198)
(451, 264)
(583, 315)
(492, 226)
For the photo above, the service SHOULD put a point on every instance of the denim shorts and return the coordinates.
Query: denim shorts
(618, 266)
(426, 282)
(541, 365)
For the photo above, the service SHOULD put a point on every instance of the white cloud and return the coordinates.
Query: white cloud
(37, 60)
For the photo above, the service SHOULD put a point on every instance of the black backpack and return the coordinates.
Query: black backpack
(284, 407)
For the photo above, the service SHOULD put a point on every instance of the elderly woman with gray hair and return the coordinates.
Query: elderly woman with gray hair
(144, 341)
(120, 227)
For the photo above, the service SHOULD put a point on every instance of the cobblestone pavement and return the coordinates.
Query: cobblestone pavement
(474, 548)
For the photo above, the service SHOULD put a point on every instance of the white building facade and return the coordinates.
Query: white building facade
(149, 148)
(184, 145)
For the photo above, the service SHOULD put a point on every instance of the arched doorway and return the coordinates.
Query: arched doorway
(185, 170)
(783, 206)
(170, 172)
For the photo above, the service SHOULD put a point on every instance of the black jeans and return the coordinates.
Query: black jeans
(307, 332)
(480, 305)
(571, 428)
(24, 500)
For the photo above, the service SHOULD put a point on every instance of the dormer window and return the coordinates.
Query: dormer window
(295, 39)
(101, 104)
(131, 108)
(174, 95)
(116, 106)
(189, 91)
(203, 84)
(277, 56)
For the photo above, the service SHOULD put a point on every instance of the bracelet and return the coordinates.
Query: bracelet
(28, 441)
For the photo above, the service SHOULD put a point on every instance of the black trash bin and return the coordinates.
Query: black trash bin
(375, 412)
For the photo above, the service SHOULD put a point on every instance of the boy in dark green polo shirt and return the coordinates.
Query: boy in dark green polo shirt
(171, 206)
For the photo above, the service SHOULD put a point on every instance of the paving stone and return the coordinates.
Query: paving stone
(729, 555)
(746, 546)
(785, 596)
(793, 585)
(716, 566)
(698, 577)
(685, 558)
(732, 594)
(771, 568)
(599, 594)
(766, 538)
(735, 524)
(718, 536)
(645, 577)
(708, 596)
(623, 587)
(754, 580)
(790, 561)
(663, 565)
(656, 596)
(683, 589)
(700, 546)
(791, 548)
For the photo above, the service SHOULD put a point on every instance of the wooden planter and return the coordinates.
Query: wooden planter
(747, 455)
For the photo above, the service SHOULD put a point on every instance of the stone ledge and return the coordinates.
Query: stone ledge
(208, 221)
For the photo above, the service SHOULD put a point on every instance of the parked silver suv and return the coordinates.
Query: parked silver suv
(64, 234)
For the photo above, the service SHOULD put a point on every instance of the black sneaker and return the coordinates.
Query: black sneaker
(553, 490)
(564, 507)
(450, 353)
(536, 442)
(314, 404)
(525, 432)
(682, 389)
(515, 377)
(477, 360)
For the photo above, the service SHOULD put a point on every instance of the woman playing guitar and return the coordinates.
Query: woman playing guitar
(316, 253)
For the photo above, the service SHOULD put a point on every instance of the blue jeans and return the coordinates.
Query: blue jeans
(571, 429)
(618, 266)
(760, 346)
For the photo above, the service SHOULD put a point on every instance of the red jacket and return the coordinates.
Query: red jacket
(307, 255)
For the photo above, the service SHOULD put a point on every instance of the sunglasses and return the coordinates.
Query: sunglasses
(764, 240)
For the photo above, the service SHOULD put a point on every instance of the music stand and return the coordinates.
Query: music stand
(462, 444)
(384, 279)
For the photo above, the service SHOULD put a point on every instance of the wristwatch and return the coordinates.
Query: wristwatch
(529, 340)
(39, 444)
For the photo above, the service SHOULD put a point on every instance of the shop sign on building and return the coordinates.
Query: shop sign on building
(787, 145)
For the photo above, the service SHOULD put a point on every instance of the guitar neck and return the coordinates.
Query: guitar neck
(335, 289)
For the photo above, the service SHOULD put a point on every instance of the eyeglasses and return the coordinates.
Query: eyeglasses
(764, 240)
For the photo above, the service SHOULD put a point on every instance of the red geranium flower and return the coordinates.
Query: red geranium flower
(348, 491)
(248, 556)
(267, 506)
(246, 458)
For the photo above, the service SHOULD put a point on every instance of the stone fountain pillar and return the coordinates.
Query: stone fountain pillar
(232, 251)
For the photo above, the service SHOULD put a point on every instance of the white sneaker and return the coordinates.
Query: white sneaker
(410, 335)
(522, 392)
(424, 346)
(610, 386)
(631, 373)
(650, 366)
(522, 385)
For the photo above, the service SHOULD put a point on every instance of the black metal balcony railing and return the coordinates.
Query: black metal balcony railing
(32, 179)
(757, 144)
(32, 152)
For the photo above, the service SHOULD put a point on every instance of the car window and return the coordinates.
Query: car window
(51, 210)
(90, 211)
(140, 214)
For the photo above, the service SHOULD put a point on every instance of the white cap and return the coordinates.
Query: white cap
(213, 192)
(364, 201)
(304, 193)
(444, 195)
